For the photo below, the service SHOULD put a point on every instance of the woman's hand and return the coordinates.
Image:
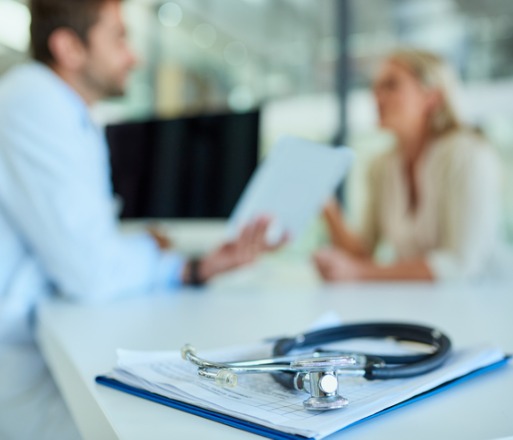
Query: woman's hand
(336, 265)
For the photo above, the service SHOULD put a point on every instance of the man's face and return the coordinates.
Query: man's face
(109, 57)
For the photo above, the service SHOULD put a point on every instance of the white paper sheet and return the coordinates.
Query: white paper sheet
(258, 398)
(291, 185)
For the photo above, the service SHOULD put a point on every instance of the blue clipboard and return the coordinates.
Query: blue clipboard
(274, 433)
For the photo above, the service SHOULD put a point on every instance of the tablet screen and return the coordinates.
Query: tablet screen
(291, 186)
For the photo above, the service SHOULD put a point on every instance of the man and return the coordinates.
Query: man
(58, 232)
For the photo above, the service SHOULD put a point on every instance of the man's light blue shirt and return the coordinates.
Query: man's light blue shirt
(58, 230)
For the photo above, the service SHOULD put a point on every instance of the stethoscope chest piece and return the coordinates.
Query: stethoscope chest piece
(323, 389)
(318, 377)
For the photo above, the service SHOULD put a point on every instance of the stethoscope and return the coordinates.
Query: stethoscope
(317, 372)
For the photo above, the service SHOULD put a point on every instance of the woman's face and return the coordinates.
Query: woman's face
(403, 103)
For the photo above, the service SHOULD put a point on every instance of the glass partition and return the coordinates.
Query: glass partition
(284, 58)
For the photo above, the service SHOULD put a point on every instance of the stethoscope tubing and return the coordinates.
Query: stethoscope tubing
(378, 367)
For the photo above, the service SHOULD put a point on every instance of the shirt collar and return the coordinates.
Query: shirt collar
(71, 94)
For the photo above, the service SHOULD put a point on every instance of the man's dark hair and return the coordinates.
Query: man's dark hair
(48, 15)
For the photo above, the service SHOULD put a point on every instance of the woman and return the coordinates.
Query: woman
(434, 197)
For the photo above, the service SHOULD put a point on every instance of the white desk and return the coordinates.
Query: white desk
(79, 342)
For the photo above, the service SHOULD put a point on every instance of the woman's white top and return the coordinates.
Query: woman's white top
(455, 225)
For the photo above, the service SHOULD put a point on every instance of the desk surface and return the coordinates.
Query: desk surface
(79, 342)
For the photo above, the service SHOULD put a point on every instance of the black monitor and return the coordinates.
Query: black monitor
(191, 167)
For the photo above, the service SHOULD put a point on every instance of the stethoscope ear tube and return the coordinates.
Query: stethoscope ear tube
(381, 367)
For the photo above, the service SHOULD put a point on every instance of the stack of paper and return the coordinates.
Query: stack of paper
(260, 405)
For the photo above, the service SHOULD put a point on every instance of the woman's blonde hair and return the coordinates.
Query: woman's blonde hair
(434, 73)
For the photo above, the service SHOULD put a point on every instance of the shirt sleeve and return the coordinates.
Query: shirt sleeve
(470, 215)
(370, 221)
(57, 195)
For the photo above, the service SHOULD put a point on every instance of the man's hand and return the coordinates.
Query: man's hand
(163, 241)
(250, 244)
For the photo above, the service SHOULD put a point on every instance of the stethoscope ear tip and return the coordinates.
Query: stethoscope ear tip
(226, 378)
(187, 350)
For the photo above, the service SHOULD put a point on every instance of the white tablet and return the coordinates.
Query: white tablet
(291, 186)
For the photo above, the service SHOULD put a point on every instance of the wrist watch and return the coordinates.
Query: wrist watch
(195, 278)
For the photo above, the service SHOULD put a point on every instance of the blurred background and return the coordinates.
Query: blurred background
(304, 67)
